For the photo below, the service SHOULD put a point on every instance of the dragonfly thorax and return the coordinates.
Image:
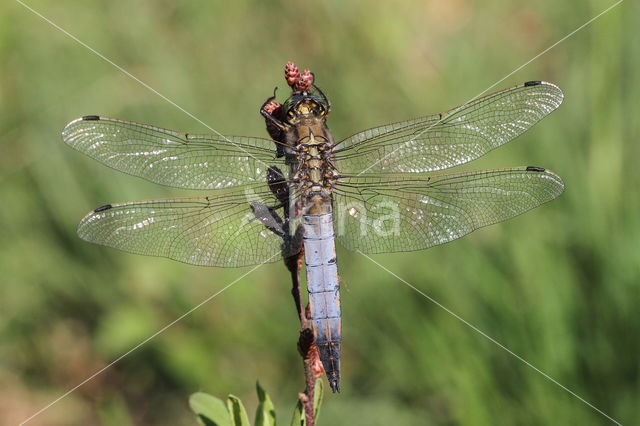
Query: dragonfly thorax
(316, 174)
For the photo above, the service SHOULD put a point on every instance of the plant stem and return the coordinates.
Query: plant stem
(306, 344)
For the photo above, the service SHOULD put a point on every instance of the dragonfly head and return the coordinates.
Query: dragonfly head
(307, 100)
(304, 104)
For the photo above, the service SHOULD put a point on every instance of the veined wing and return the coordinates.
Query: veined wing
(451, 138)
(227, 230)
(381, 214)
(167, 157)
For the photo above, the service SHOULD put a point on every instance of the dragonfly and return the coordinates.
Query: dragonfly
(298, 191)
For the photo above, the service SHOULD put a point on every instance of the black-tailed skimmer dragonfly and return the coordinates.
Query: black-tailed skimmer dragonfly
(299, 190)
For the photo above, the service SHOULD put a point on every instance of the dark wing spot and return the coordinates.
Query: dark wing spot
(532, 83)
(103, 208)
(91, 117)
(535, 169)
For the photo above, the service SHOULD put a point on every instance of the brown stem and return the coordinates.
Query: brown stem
(306, 345)
(307, 349)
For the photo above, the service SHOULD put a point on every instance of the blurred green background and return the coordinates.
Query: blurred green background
(559, 286)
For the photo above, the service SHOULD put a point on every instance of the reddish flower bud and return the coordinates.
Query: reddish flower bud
(291, 73)
(271, 107)
(304, 82)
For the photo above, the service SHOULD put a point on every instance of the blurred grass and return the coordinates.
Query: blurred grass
(559, 286)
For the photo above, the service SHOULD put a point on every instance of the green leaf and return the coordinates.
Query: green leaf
(298, 418)
(210, 410)
(238, 413)
(317, 398)
(265, 413)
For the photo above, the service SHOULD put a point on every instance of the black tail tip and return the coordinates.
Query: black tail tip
(334, 380)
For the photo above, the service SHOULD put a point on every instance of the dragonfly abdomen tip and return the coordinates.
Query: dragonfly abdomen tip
(335, 386)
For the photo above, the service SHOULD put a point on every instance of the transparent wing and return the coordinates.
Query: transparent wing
(228, 230)
(167, 157)
(451, 138)
(380, 214)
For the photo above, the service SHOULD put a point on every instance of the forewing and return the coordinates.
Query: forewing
(380, 214)
(167, 157)
(451, 138)
(227, 230)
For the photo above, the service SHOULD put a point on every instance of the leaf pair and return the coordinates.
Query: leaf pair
(212, 411)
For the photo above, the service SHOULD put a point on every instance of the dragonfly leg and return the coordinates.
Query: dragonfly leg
(294, 264)
(269, 99)
(268, 113)
(272, 113)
